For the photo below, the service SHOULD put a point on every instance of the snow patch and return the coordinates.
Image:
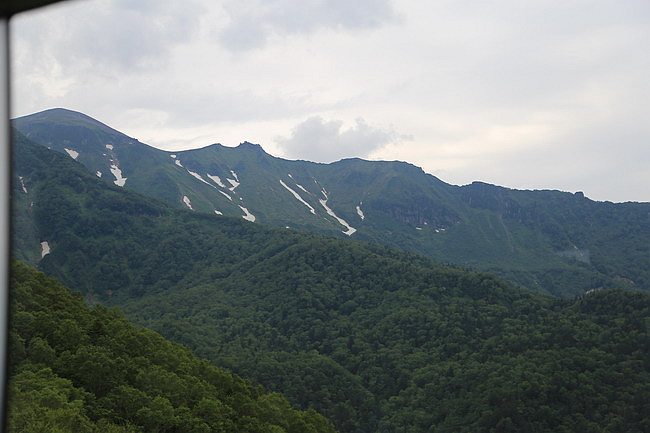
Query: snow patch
(73, 153)
(187, 202)
(216, 179)
(109, 146)
(45, 249)
(290, 175)
(247, 215)
(178, 163)
(418, 228)
(350, 230)
(360, 212)
(302, 188)
(235, 175)
(233, 182)
(198, 176)
(227, 196)
(217, 212)
(98, 173)
(22, 184)
(297, 196)
(119, 180)
(172, 156)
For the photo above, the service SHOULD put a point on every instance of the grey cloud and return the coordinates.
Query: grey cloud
(254, 21)
(111, 37)
(319, 140)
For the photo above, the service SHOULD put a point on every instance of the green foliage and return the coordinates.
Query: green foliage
(374, 338)
(384, 342)
(89, 370)
(538, 239)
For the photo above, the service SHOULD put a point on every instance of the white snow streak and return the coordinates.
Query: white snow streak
(233, 182)
(45, 249)
(187, 202)
(350, 230)
(109, 146)
(217, 212)
(235, 175)
(247, 215)
(172, 156)
(73, 153)
(22, 183)
(217, 180)
(198, 176)
(119, 180)
(360, 212)
(297, 196)
(178, 163)
(227, 196)
(98, 173)
(298, 185)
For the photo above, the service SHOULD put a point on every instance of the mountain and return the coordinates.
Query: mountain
(82, 370)
(376, 339)
(554, 242)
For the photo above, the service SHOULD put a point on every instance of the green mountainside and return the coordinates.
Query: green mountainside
(75, 369)
(375, 339)
(554, 242)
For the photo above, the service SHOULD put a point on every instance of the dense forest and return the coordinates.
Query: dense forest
(375, 339)
(393, 346)
(77, 369)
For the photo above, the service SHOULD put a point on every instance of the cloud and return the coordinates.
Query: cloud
(253, 22)
(542, 94)
(319, 140)
(109, 37)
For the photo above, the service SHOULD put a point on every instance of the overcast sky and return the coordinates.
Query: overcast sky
(526, 94)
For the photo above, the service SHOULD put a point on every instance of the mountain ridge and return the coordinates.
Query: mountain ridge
(527, 236)
(375, 338)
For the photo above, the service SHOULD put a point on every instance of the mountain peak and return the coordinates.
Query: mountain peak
(64, 116)
(247, 145)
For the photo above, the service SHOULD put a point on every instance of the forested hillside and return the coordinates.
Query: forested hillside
(76, 369)
(549, 241)
(397, 345)
(376, 339)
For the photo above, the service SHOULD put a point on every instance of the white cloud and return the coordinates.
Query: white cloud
(319, 140)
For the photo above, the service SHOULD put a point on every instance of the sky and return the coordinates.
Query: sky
(527, 94)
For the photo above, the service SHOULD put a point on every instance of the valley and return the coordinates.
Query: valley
(373, 337)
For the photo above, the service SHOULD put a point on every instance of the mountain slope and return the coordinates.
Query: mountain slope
(376, 339)
(554, 242)
(89, 370)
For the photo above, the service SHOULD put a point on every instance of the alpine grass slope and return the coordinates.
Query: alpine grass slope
(558, 243)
